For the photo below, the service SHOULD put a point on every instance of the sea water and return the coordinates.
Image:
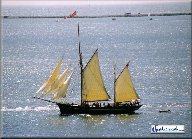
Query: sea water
(159, 52)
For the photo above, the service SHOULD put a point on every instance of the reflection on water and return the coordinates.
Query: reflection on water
(125, 117)
(102, 118)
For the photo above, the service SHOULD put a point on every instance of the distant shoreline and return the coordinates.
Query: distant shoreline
(103, 16)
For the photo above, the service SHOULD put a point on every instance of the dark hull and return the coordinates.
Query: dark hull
(66, 109)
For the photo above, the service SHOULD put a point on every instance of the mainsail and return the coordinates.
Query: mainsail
(52, 78)
(93, 88)
(57, 84)
(61, 93)
(124, 88)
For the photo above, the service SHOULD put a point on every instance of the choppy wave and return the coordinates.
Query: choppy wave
(27, 108)
(176, 105)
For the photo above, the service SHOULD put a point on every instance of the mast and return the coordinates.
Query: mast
(81, 66)
(114, 82)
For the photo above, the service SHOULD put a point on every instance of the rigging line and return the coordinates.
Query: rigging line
(45, 99)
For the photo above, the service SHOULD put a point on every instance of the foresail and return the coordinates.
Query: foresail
(124, 89)
(52, 78)
(61, 93)
(55, 86)
(93, 88)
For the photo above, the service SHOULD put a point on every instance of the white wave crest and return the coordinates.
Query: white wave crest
(27, 108)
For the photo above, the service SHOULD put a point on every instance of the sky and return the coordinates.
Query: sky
(79, 2)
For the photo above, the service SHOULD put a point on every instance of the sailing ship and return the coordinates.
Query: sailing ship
(93, 91)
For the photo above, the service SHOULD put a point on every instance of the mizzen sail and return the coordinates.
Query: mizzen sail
(93, 88)
(124, 88)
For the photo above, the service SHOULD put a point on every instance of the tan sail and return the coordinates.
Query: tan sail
(52, 78)
(93, 88)
(124, 89)
(57, 83)
(61, 93)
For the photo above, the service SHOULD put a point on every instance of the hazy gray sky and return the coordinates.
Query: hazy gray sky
(79, 2)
